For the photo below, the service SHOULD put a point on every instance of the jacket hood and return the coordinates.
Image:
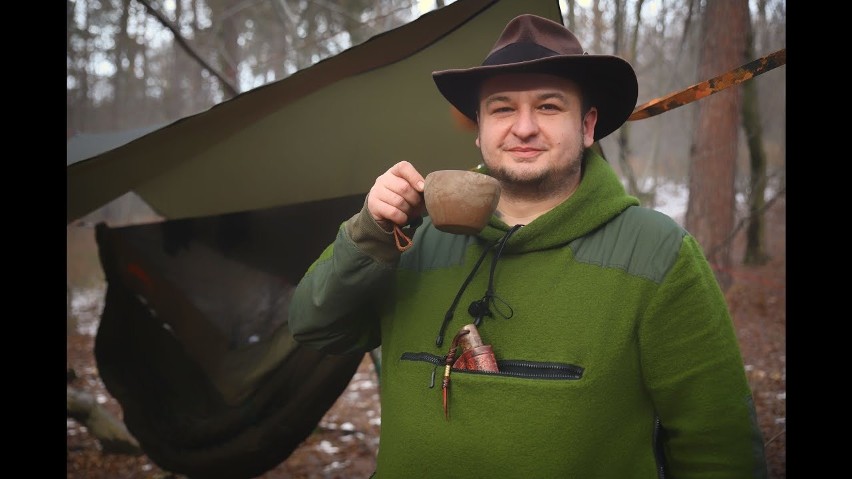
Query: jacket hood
(598, 199)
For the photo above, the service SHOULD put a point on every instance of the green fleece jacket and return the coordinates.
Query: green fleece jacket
(617, 354)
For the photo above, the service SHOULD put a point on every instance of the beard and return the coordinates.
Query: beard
(539, 185)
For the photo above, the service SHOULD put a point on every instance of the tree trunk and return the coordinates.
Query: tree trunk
(755, 252)
(229, 53)
(123, 72)
(571, 16)
(625, 152)
(597, 27)
(711, 204)
(662, 76)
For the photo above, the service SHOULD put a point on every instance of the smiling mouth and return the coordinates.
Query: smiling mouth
(525, 152)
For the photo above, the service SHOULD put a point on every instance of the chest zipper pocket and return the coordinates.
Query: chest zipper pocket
(505, 368)
(519, 368)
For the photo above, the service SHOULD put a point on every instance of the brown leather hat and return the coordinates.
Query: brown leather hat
(533, 44)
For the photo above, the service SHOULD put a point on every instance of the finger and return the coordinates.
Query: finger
(386, 203)
(410, 188)
(387, 206)
(409, 173)
(393, 198)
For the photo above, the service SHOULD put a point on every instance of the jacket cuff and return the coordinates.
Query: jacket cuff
(370, 238)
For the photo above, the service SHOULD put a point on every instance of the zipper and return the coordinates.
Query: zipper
(658, 448)
(518, 368)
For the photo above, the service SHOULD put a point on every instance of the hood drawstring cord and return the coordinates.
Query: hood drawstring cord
(449, 314)
(479, 308)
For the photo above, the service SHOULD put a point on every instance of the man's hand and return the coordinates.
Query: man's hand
(396, 196)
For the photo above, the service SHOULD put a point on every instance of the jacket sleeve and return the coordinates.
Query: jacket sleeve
(694, 370)
(333, 307)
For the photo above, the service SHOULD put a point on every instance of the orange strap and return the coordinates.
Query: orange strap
(711, 86)
(397, 232)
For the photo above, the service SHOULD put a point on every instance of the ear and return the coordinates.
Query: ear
(476, 142)
(589, 122)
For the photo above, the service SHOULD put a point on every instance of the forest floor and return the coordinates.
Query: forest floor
(345, 442)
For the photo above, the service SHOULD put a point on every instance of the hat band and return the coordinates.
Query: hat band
(518, 52)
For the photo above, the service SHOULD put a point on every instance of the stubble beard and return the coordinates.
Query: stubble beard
(554, 181)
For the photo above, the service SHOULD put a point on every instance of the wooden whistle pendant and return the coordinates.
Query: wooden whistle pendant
(475, 356)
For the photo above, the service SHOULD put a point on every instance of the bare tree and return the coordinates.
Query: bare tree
(597, 27)
(624, 151)
(80, 111)
(570, 16)
(755, 253)
(711, 205)
(73, 73)
(121, 59)
(228, 55)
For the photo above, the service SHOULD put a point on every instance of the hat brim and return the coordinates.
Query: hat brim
(608, 80)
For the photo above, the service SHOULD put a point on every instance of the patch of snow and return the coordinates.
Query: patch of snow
(86, 307)
(326, 447)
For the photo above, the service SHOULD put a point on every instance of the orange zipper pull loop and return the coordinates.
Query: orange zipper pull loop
(397, 232)
(448, 366)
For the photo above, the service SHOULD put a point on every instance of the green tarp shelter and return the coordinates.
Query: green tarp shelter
(193, 339)
(326, 131)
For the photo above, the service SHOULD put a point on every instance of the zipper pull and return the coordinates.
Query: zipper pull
(448, 366)
(445, 386)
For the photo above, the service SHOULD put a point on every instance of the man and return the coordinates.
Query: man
(615, 350)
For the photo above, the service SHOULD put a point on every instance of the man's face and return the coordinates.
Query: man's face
(532, 133)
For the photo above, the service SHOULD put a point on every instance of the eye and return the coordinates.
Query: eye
(550, 107)
(500, 109)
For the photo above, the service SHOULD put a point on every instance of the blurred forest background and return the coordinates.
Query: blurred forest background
(137, 65)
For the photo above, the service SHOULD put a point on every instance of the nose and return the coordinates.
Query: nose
(525, 124)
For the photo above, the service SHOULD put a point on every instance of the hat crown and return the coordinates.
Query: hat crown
(533, 44)
(542, 32)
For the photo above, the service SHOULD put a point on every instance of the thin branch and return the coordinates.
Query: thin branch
(186, 46)
(775, 437)
(728, 239)
(328, 37)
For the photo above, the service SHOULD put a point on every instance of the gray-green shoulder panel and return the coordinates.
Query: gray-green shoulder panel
(444, 249)
(640, 241)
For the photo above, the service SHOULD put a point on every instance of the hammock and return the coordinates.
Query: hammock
(193, 340)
